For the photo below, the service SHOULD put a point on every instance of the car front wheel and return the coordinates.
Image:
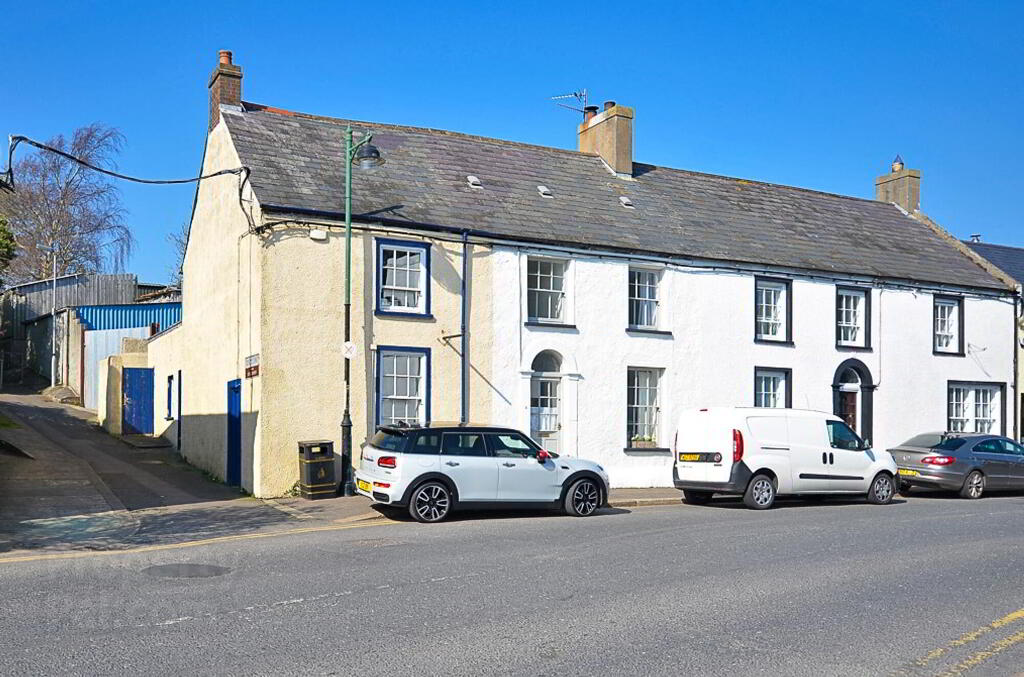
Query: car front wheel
(431, 502)
(882, 489)
(583, 498)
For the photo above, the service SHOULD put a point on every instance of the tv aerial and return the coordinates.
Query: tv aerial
(580, 96)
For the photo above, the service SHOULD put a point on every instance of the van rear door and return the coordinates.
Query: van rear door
(704, 436)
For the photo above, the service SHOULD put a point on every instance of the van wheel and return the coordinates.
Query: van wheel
(431, 502)
(882, 489)
(760, 493)
(974, 485)
(696, 497)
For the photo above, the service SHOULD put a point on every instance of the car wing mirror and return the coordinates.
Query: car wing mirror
(542, 456)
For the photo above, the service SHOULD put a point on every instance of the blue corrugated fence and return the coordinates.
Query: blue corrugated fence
(130, 315)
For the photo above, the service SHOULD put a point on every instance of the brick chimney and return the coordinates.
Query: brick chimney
(609, 134)
(902, 186)
(225, 86)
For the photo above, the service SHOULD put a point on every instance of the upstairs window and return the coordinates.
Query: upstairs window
(853, 317)
(772, 312)
(949, 325)
(545, 290)
(643, 299)
(403, 274)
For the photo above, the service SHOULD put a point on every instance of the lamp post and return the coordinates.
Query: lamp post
(368, 156)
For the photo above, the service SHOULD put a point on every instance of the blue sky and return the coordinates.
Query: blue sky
(820, 95)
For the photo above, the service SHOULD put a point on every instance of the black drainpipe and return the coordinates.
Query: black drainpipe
(465, 327)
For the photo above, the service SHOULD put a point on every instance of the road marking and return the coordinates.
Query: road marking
(191, 544)
(980, 657)
(287, 509)
(963, 639)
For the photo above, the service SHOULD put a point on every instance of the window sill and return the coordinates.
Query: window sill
(648, 332)
(773, 342)
(549, 325)
(859, 349)
(392, 313)
(654, 451)
(948, 353)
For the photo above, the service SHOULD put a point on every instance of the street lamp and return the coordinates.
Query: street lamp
(368, 156)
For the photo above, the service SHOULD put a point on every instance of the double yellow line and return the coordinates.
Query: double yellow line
(191, 544)
(974, 659)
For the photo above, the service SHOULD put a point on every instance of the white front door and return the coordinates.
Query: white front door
(545, 420)
(465, 459)
(520, 476)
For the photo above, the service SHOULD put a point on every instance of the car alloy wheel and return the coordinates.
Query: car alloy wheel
(584, 498)
(431, 503)
(974, 485)
(881, 490)
(760, 493)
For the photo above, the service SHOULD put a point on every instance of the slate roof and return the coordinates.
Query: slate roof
(296, 166)
(1010, 260)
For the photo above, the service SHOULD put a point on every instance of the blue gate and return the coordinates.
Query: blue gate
(233, 476)
(137, 401)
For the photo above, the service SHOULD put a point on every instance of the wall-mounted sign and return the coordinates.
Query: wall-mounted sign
(252, 365)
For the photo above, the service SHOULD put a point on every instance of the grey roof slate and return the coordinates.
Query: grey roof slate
(1008, 259)
(296, 163)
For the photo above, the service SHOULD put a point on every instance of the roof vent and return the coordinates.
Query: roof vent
(474, 182)
(626, 202)
(545, 191)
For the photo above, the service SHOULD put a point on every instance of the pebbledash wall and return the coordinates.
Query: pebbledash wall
(710, 356)
(279, 294)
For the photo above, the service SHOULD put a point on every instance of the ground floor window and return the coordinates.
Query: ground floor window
(771, 387)
(974, 408)
(642, 407)
(403, 383)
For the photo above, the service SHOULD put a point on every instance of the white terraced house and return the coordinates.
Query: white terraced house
(577, 295)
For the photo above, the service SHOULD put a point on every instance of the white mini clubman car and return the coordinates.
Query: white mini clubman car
(434, 469)
(763, 453)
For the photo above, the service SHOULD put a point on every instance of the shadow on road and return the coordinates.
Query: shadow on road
(497, 514)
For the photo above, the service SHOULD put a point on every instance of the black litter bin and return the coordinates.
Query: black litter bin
(316, 469)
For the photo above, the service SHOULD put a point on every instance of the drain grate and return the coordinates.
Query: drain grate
(185, 570)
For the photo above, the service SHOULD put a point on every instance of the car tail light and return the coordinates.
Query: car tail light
(382, 485)
(737, 446)
(938, 460)
(387, 461)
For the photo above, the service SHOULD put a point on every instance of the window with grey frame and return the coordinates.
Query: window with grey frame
(771, 388)
(643, 298)
(402, 392)
(642, 407)
(948, 327)
(852, 308)
(771, 309)
(974, 408)
(402, 279)
(545, 290)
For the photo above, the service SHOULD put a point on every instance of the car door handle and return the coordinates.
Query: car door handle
(451, 463)
(831, 459)
(509, 465)
(824, 457)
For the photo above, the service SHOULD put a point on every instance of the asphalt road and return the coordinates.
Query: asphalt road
(927, 586)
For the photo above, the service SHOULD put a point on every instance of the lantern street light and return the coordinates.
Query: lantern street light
(368, 156)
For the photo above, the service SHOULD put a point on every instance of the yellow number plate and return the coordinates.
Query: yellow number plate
(365, 486)
(689, 457)
(908, 473)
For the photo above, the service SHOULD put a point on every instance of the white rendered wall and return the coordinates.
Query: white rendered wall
(710, 358)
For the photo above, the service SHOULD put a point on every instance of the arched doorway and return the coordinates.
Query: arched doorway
(545, 399)
(853, 396)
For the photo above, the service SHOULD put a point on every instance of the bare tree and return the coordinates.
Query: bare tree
(61, 204)
(177, 239)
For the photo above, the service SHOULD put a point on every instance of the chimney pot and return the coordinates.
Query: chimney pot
(589, 112)
(225, 56)
(897, 164)
(609, 105)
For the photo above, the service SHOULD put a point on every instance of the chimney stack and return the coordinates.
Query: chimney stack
(609, 134)
(225, 86)
(902, 186)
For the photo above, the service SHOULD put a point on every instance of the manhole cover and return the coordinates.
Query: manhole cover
(186, 570)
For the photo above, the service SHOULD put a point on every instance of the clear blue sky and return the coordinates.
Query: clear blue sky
(822, 96)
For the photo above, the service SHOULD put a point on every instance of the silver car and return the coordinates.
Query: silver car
(966, 462)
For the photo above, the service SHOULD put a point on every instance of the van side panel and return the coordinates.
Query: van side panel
(767, 447)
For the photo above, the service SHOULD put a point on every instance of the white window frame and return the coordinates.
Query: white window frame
(644, 298)
(771, 310)
(852, 308)
(974, 408)
(947, 325)
(562, 295)
(643, 414)
(404, 376)
(772, 387)
(423, 274)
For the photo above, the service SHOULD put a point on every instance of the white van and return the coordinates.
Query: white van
(761, 453)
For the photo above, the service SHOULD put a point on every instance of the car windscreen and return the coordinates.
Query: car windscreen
(950, 444)
(388, 440)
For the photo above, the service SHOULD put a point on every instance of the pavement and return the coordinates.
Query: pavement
(74, 487)
(926, 586)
